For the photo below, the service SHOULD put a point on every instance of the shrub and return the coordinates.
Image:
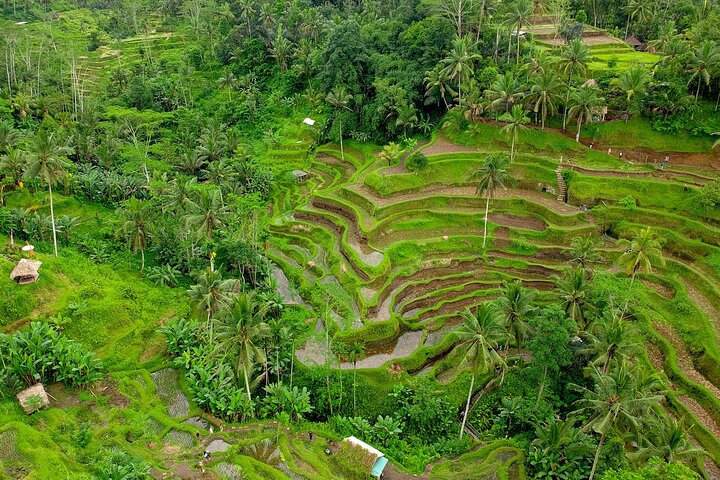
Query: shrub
(416, 162)
(41, 354)
(628, 202)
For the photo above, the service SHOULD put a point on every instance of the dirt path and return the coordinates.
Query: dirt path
(655, 175)
(704, 304)
(684, 357)
(443, 145)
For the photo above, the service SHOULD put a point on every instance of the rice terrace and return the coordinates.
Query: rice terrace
(355, 239)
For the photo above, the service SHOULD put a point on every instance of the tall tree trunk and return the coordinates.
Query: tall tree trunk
(512, 150)
(597, 457)
(142, 256)
(342, 152)
(542, 385)
(52, 219)
(487, 207)
(247, 383)
(354, 384)
(467, 406)
(697, 92)
(580, 122)
(517, 57)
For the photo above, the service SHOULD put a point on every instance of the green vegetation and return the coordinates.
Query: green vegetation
(267, 226)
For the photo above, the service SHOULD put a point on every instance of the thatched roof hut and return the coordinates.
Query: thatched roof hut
(300, 176)
(26, 271)
(33, 398)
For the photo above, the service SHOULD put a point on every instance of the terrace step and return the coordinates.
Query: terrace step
(562, 187)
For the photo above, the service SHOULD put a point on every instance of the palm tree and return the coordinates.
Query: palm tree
(281, 49)
(212, 143)
(515, 304)
(668, 439)
(480, 336)
(206, 213)
(557, 435)
(8, 136)
(504, 91)
(212, 294)
(516, 121)
(639, 10)
(585, 101)
(574, 59)
(572, 288)
(460, 62)
(228, 81)
(240, 329)
(584, 251)
(703, 60)
(391, 152)
(340, 99)
(633, 82)
(520, 12)
(14, 162)
(135, 225)
(47, 161)
(641, 252)
(437, 82)
(545, 94)
(615, 401)
(674, 52)
(490, 177)
(613, 338)
(355, 352)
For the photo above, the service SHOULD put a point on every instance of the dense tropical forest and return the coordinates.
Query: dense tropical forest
(481, 236)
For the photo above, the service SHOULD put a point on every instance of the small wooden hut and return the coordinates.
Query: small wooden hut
(300, 176)
(26, 271)
(33, 398)
(635, 43)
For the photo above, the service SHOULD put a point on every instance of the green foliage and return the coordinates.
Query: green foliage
(628, 202)
(41, 354)
(656, 469)
(116, 464)
(416, 162)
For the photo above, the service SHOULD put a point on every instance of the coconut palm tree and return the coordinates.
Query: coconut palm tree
(460, 62)
(574, 59)
(437, 84)
(584, 252)
(135, 226)
(480, 336)
(572, 288)
(515, 304)
(613, 338)
(640, 10)
(633, 83)
(206, 213)
(616, 401)
(228, 81)
(504, 91)
(641, 252)
(703, 60)
(668, 439)
(281, 49)
(545, 94)
(240, 329)
(355, 352)
(47, 161)
(14, 162)
(585, 101)
(557, 435)
(212, 294)
(516, 120)
(340, 99)
(9, 136)
(490, 177)
(519, 13)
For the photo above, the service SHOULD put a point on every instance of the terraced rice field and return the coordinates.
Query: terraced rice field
(400, 255)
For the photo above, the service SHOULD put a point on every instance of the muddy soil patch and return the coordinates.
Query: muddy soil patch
(528, 223)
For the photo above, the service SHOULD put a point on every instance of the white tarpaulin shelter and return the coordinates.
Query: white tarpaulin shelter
(377, 455)
(309, 121)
